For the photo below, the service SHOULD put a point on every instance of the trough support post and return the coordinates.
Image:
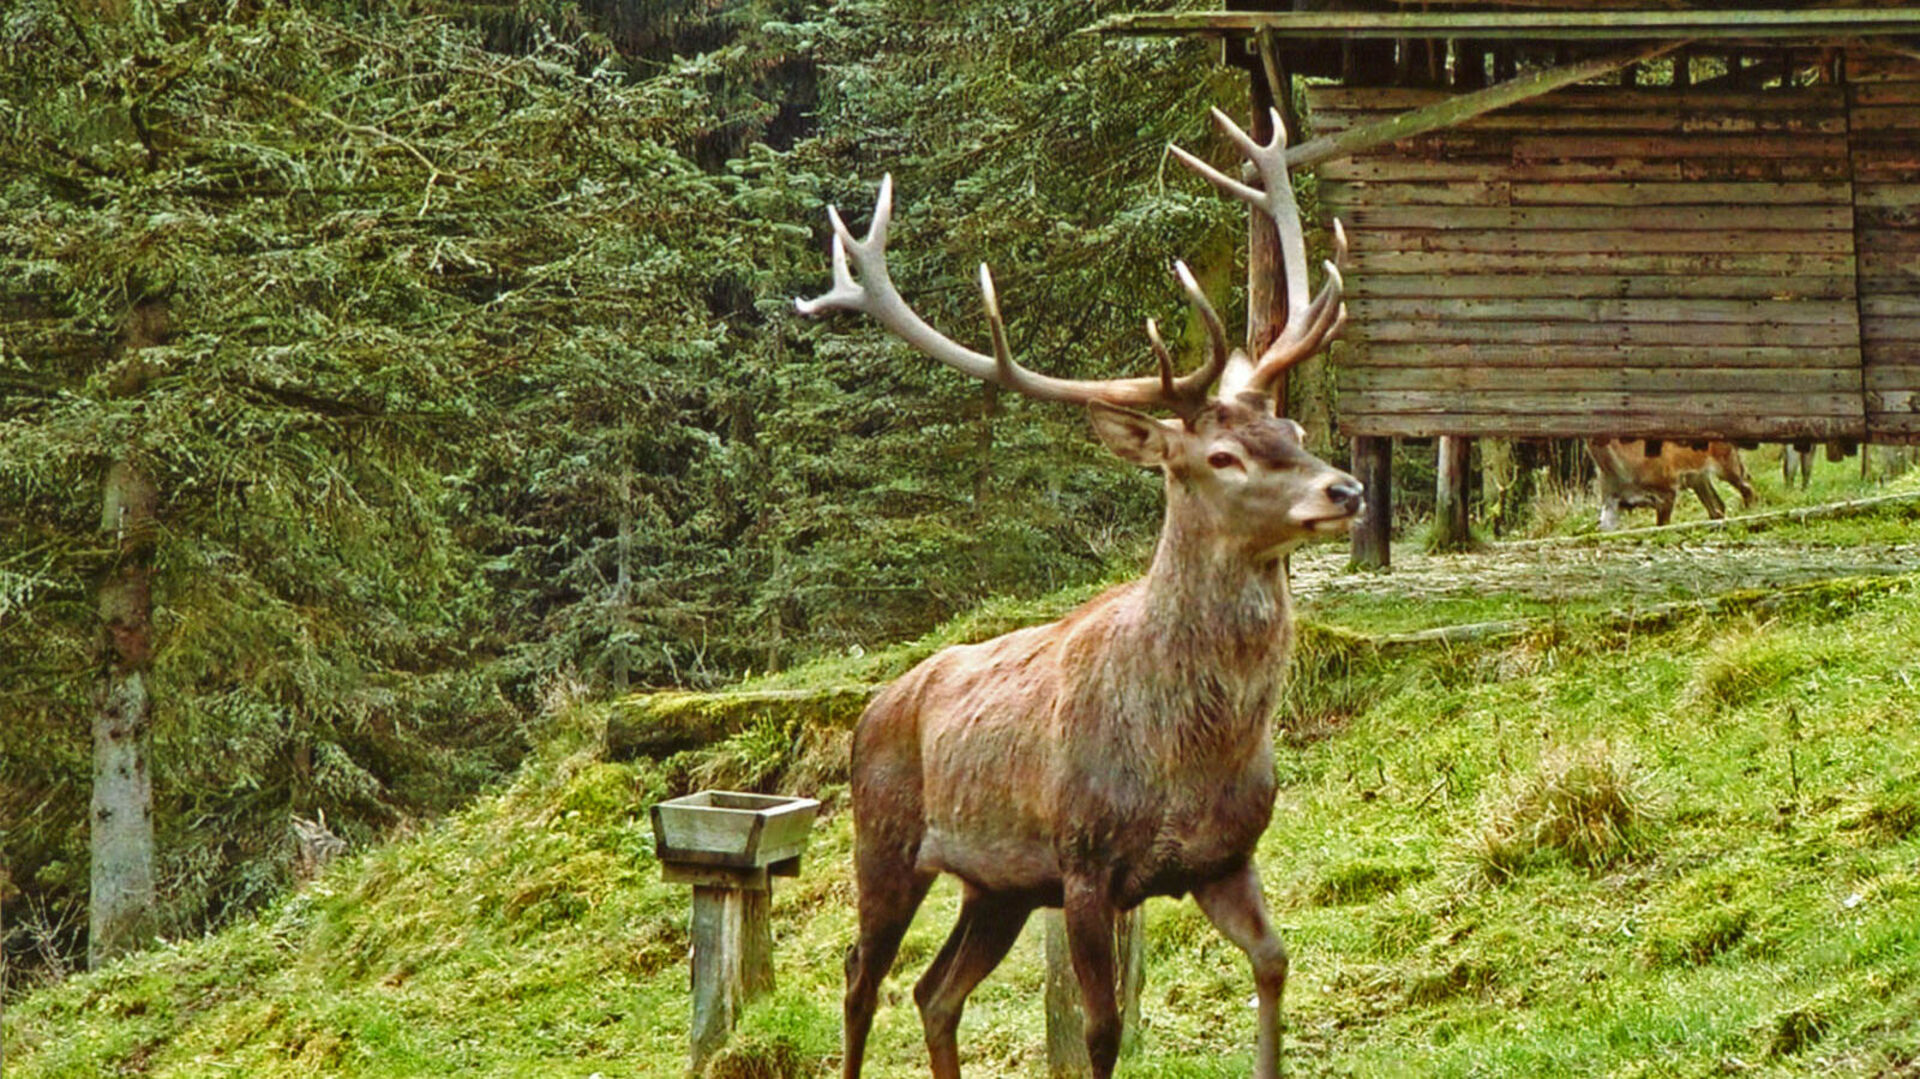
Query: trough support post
(1452, 531)
(1373, 533)
(1066, 1025)
(732, 954)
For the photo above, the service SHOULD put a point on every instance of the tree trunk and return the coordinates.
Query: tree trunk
(6, 896)
(121, 814)
(622, 599)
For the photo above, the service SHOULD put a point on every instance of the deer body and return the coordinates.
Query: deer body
(1631, 477)
(1124, 751)
(1140, 720)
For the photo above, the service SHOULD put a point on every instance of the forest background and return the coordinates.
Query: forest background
(420, 361)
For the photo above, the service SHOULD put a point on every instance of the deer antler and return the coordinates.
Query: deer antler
(872, 292)
(1310, 323)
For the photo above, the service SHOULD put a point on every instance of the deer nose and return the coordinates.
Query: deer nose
(1346, 492)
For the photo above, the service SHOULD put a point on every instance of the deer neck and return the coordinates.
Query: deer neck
(1204, 585)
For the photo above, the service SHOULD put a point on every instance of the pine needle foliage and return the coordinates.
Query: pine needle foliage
(438, 318)
(481, 374)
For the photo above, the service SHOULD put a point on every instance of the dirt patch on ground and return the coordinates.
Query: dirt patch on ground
(1628, 571)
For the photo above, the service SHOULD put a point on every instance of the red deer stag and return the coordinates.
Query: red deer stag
(1630, 477)
(1124, 751)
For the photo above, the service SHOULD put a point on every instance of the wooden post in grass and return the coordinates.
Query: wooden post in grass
(1066, 1026)
(729, 847)
(1373, 533)
(732, 947)
(1452, 531)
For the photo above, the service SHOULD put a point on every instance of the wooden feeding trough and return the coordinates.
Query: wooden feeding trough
(729, 846)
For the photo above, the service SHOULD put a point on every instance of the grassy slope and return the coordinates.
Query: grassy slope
(1764, 916)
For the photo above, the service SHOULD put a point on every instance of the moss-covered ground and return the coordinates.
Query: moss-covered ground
(1598, 847)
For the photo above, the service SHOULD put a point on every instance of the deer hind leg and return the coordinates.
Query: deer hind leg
(1609, 513)
(889, 896)
(988, 926)
(1663, 507)
(1737, 478)
(1235, 907)
(1709, 497)
(1090, 922)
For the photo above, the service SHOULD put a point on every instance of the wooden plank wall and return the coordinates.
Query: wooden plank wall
(1602, 261)
(1883, 99)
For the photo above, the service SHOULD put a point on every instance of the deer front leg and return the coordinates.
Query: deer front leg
(1089, 917)
(1235, 907)
(1663, 506)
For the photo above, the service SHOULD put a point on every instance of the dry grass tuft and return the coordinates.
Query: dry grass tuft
(1589, 805)
(759, 1058)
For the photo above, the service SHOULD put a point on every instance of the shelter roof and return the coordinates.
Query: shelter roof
(1777, 25)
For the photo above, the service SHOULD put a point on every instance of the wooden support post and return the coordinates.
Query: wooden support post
(1066, 1025)
(1271, 89)
(1452, 531)
(732, 962)
(732, 945)
(732, 950)
(1373, 535)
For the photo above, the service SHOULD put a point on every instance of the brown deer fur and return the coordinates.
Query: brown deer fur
(1122, 752)
(1126, 750)
(1630, 478)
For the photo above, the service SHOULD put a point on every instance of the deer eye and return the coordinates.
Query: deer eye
(1223, 459)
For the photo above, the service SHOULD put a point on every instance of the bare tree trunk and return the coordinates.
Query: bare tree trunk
(6, 896)
(622, 658)
(120, 816)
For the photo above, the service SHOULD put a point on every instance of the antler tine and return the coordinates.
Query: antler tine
(1228, 186)
(1219, 352)
(997, 326)
(847, 293)
(1310, 323)
(1216, 330)
(1166, 358)
(1327, 316)
(861, 283)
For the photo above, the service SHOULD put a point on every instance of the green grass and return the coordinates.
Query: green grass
(1591, 850)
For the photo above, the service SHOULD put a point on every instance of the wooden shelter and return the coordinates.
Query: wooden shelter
(1588, 219)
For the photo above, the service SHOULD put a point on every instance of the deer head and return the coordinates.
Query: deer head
(1227, 448)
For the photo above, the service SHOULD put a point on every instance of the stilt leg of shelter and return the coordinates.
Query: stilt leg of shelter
(1450, 520)
(1372, 535)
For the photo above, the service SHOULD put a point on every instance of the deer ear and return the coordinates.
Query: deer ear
(1135, 436)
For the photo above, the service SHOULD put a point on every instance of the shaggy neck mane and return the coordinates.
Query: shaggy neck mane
(1210, 608)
